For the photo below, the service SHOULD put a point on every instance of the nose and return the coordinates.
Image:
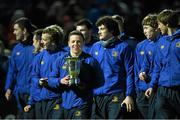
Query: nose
(144, 31)
(99, 32)
(42, 41)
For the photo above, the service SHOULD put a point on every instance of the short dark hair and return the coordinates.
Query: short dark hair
(163, 16)
(110, 23)
(54, 34)
(59, 30)
(24, 22)
(151, 20)
(173, 21)
(119, 18)
(76, 32)
(38, 33)
(85, 22)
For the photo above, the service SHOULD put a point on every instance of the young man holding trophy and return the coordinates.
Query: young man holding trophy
(74, 74)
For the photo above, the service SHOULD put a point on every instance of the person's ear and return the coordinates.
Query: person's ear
(167, 25)
(24, 30)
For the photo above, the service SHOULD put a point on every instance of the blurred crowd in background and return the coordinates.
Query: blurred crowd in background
(66, 12)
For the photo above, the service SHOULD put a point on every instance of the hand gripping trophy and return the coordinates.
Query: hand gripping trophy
(73, 68)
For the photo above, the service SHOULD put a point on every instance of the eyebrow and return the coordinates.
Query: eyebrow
(102, 27)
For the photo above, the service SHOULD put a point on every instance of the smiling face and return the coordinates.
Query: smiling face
(149, 32)
(76, 44)
(163, 28)
(104, 33)
(46, 41)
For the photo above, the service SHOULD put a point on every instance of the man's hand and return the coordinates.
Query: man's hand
(43, 82)
(65, 80)
(142, 76)
(27, 108)
(128, 101)
(149, 92)
(8, 94)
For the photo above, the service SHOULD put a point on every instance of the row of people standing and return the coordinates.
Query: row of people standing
(106, 79)
(157, 73)
(38, 68)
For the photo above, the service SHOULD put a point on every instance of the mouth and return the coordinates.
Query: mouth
(100, 35)
(76, 48)
(44, 46)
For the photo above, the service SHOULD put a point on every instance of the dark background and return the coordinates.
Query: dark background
(66, 12)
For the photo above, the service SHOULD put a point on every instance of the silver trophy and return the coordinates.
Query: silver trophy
(73, 68)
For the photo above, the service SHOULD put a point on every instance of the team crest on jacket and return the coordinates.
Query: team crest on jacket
(114, 53)
(96, 53)
(178, 44)
(57, 107)
(18, 53)
(149, 52)
(42, 62)
(115, 99)
(162, 46)
(78, 113)
(141, 52)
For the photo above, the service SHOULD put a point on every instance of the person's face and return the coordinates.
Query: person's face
(163, 28)
(84, 30)
(76, 44)
(46, 41)
(36, 42)
(18, 32)
(149, 32)
(104, 33)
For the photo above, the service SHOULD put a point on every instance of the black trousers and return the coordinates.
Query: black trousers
(168, 103)
(81, 112)
(145, 105)
(38, 110)
(51, 109)
(142, 104)
(108, 106)
(22, 100)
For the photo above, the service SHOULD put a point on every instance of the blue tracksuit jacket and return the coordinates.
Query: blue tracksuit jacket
(73, 96)
(116, 62)
(138, 64)
(146, 64)
(19, 71)
(35, 89)
(42, 69)
(166, 70)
